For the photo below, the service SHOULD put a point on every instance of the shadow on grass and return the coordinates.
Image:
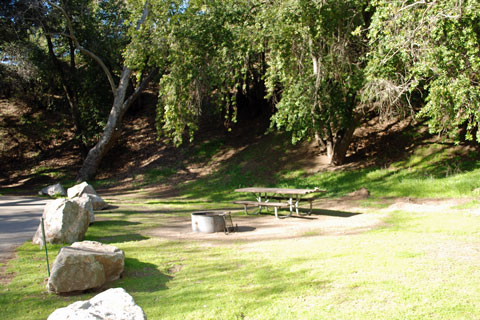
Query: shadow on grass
(122, 238)
(110, 207)
(114, 231)
(140, 276)
(113, 223)
(245, 229)
(334, 213)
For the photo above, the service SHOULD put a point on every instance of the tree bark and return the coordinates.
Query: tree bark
(113, 127)
(337, 147)
(336, 144)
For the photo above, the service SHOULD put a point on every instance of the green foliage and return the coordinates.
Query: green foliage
(24, 71)
(433, 48)
(315, 59)
(59, 76)
(210, 53)
(314, 64)
(308, 54)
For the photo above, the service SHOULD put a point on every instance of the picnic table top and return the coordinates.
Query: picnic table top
(278, 190)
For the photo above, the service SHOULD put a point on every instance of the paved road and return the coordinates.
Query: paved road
(19, 219)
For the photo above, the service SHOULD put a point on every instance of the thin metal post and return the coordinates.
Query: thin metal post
(45, 244)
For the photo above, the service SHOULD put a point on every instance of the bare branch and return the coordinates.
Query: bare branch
(84, 50)
(412, 5)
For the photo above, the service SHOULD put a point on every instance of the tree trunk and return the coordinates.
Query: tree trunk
(96, 154)
(113, 127)
(337, 145)
(339, 151)
(120, 104)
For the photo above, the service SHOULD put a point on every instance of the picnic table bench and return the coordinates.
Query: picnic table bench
(291, 199)
(275, 205)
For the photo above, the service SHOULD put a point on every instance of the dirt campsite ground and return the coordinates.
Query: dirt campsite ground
(330, 217)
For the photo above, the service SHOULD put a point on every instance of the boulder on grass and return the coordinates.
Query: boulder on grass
(86, 204)
(112, 258)
(79, 189)
(85, 189)
(85, 265)
(55, 190)
(113, 304)
(75, 272)
(97, 202)
(65, 222)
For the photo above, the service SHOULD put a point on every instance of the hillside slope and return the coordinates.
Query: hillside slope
(36, 150)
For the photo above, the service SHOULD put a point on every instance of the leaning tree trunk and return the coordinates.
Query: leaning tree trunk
(95, 155)
(120, 104)
(113, 126)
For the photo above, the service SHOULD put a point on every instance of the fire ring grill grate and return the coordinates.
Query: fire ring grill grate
(211, 221)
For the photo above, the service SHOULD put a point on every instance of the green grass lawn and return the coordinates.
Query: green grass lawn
(419, 266)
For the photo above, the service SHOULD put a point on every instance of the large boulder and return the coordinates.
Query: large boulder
(85, 265)
(75, 271)
(97, 202)
(65, 222)
(113, 304)
(55, 190)
(79, 189)
(85, 189)
(85, 202)
(112, 258)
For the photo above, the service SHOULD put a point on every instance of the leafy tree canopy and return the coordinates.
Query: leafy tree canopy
(320, 63)
(209, 51)
(315, 68)
(431, 47)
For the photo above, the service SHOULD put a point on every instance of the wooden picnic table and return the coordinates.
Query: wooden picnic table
(286, 197)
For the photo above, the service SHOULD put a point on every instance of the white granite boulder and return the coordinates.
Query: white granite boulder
(85, 202)
(65, 222)
(112, 258)
(85, 265)
(53, 191)
(97, 202)
(75, 272)
(79, 189)
(113, 304)
(85, 189)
